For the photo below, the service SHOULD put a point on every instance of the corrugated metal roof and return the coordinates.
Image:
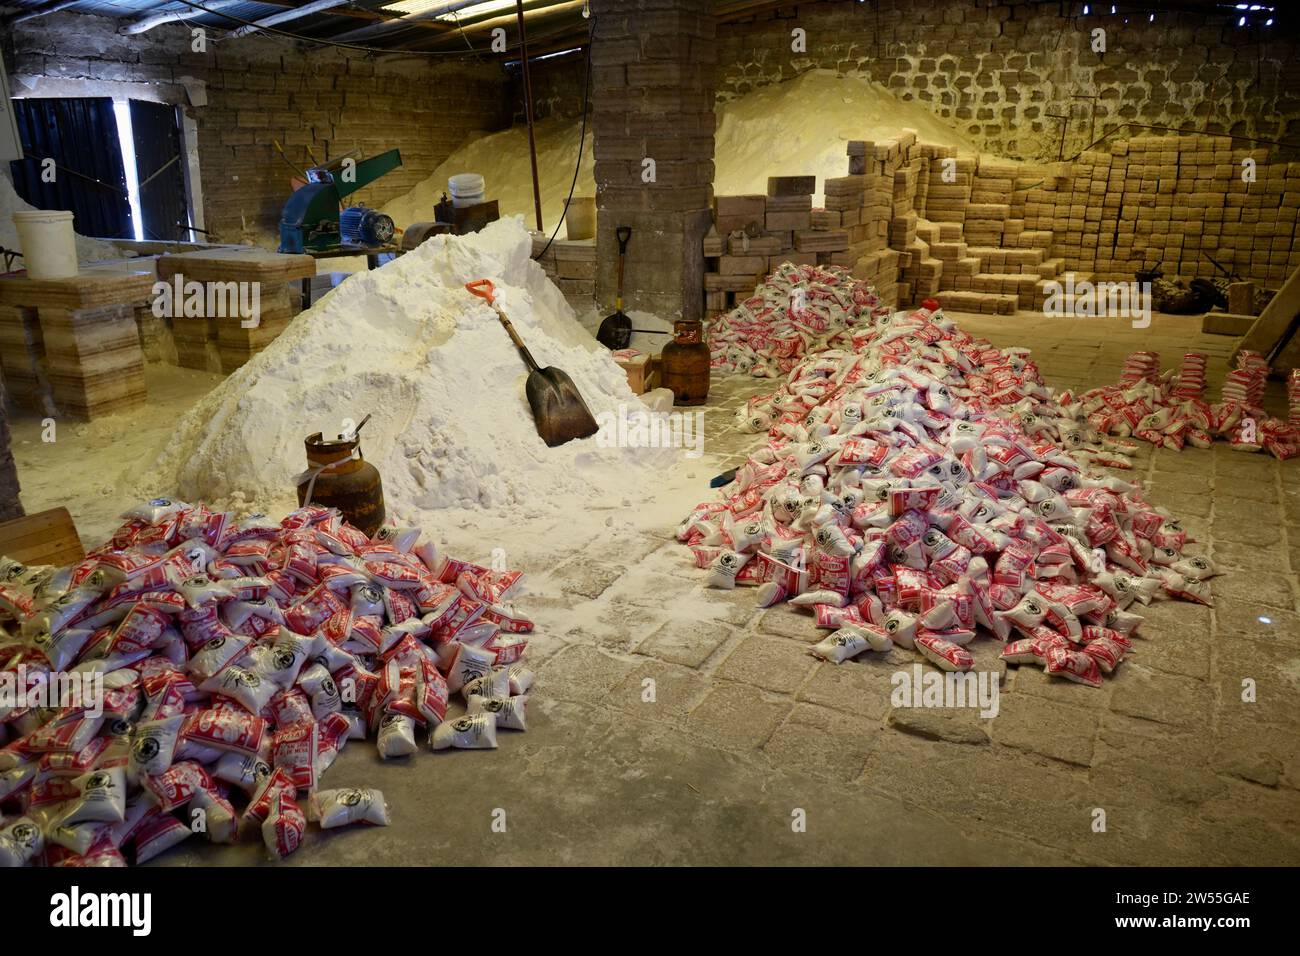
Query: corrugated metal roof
(358, 22)
(552, 24)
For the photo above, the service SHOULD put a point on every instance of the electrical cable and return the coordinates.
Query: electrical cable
(582, 139)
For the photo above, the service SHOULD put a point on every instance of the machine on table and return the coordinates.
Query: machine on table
(311, 221)
(313, 224)
(451, 220)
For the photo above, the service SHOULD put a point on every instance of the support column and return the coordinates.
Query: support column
(653, 78)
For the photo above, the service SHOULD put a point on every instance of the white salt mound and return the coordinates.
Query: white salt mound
(88, 250)
(451, 427)
(503, 160)
(799, 127)
(802, 127)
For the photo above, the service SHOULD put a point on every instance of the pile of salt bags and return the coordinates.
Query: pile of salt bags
(924, 485)
(796, 311)
(1171, 412)
(199, 662)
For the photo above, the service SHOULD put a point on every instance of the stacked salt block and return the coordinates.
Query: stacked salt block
(754, 235)
(71, 345)
(1293, 397)
(991, 257)
(885, 233)
(226, 333)
(1177, 201)
(21, 348)
(571, 265)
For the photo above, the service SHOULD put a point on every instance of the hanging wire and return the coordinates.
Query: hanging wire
(582, 139)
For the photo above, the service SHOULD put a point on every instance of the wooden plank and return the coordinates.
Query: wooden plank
(1226, 323)
(47, 537)
(1267, 332)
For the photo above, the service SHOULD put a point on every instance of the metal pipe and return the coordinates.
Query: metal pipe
(284, 16)
(48, 8)
(145, 24)
(528, 109)
(401, 21)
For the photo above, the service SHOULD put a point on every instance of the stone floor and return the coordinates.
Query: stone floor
(678, 725)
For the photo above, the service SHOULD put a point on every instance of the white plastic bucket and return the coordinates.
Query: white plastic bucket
(48, 244)
(467, 189)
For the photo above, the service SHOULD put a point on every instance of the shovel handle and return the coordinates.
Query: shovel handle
(623, 234)
(484, 289)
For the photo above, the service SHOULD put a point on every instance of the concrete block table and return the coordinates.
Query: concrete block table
(229, 277)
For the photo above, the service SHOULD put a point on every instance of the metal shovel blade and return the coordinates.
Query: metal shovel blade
(615, 332)
(559, 412)
(558, 409)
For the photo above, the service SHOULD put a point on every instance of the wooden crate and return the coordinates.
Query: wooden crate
(642, 371)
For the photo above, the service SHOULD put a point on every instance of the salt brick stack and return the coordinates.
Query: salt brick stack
(1177, 201)
(70, 346)
(223, 342)
(986, 235)
(571, 264)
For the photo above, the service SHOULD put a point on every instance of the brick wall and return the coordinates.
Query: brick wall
(995, 70)
(557, 87)
(260, 89)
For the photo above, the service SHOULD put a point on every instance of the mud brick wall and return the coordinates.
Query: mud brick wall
(995, 70)
(652, 76)
(557, 87)
(259, 89)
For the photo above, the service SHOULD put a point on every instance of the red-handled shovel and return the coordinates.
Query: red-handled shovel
(558, 409)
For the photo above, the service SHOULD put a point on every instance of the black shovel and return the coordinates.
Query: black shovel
(616, 330)
(558, 409)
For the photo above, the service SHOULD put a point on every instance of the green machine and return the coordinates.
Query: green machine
(311, 221)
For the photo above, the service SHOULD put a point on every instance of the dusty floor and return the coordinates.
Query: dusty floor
(745, 729)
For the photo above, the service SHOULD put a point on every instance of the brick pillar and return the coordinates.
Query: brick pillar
(653, 66)
(10, 506)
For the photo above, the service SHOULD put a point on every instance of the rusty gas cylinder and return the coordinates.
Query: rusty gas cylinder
(343, 480)
(685, 363)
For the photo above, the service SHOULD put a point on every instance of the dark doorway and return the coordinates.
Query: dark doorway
(80, 135)
(160, 166)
